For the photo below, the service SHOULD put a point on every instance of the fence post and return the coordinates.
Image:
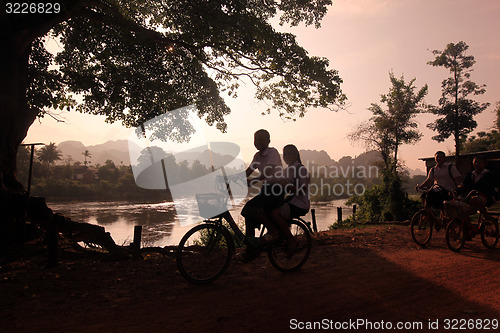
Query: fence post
(339, 214)
(313, 215)
(353, 210)
(51, 239)
(136, 244)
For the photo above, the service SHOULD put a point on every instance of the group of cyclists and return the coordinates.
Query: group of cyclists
(285, 192)
(443, 180)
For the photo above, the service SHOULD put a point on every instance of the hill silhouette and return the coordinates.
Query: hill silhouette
(118, 152)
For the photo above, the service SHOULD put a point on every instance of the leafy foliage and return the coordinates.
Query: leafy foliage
(385, 202)
(386, 131)
(134, 60)
(49, 154)
(455, 109)
(485, 140)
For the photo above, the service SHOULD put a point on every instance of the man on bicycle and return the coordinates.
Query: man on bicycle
(442, 179)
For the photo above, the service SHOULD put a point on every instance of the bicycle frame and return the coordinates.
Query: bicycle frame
(229, 218)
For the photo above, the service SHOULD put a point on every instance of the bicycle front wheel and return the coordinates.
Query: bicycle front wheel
(455, 235)
(489, 233)
(281, 260)
(204, 253)
(421, 228)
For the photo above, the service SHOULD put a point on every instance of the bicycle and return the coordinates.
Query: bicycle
(424, 222)
(205, 251)
(459, 230)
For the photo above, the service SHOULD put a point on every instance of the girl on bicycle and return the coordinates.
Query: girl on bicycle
(296, 181)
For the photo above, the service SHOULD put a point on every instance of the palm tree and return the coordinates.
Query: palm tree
(86, 154)
(49, 154)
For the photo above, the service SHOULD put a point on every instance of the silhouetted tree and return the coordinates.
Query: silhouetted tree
(388, 129)
(385, 132)
(455, 109)
(134, 60)
(86, 154)
(485, 140)
(49, 154)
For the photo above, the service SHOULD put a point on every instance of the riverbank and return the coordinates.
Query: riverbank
(375, 273)
(159, 218)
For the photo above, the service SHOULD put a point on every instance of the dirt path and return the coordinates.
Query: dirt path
(375, 273)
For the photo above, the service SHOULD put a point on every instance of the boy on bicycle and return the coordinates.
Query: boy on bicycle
(256, 211)
(442, 179)
(479, 187)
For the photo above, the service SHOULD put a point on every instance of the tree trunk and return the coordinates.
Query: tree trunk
(15, 114)
(15, 119)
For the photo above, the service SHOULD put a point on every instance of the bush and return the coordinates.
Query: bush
(385, 202)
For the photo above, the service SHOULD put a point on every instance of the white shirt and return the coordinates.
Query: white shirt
(297, 175)
(476, 176)
(265, 159)
(441, 176)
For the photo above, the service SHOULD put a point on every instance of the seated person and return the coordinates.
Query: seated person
(296, 178)
(442, 179)
(479, 187)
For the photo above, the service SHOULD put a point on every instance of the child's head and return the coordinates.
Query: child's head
(291, 154)
(479, 163)
(261, 139)
(440, 157)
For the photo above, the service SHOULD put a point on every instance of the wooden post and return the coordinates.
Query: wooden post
(136, 244)
(339, 214)
(353, 210)
(313, 214)
(51, 239)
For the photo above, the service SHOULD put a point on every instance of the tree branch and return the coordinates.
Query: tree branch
(117, 18)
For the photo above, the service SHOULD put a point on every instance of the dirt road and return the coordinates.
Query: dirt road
(376, 274)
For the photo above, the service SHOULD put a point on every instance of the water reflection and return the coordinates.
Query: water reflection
(160, 224)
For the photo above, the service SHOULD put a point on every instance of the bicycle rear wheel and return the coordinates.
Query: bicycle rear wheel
(204, 253)
(489, 233)
(278, 255)
(455, 235)
(421, 228)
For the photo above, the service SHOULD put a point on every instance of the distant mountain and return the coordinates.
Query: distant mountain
(315, 157)
(73, 149)
(205, 157)
(321, 158)
(416, 172)
(117, 151)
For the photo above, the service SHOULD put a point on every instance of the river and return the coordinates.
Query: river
(159, 220)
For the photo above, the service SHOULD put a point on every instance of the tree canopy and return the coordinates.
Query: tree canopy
(385, 132)
(485, 140)
(134, 60)
(455, 109)
(388, 129)
(49, 154)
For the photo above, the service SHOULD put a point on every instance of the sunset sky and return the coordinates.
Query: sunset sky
(364, 40)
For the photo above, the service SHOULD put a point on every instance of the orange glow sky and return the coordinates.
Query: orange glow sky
(364, 40)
